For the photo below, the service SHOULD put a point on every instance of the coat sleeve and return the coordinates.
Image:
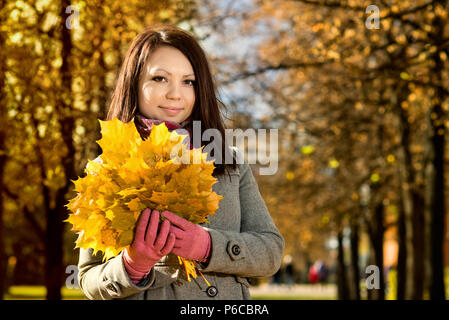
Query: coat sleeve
(255, 251)
(107, 280)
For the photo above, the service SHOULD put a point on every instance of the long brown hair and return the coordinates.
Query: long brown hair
(207, 107)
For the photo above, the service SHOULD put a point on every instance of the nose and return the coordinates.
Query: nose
(174, 92)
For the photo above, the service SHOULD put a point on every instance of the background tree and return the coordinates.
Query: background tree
(330, 66)
(361, 112)
(61, 64)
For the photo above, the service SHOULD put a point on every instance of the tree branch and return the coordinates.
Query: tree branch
(333, 4)
(340, 5)
(248, 74)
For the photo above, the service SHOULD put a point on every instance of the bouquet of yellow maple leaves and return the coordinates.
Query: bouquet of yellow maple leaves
(159, 173)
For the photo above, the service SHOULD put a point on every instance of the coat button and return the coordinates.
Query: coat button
(235, 249)
(212, 291)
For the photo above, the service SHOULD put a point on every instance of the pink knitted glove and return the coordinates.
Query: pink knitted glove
(148, 246)
(193, 242)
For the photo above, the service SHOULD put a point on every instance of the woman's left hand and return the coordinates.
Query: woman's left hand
(192, 242)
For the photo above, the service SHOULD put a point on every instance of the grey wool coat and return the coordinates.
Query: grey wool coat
(245, 243)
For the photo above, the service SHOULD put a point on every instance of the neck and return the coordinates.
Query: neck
(140, 117)
(145, 124)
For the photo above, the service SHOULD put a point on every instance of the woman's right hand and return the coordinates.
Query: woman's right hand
(151, 242)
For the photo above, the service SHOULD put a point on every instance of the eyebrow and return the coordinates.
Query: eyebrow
(187, 75)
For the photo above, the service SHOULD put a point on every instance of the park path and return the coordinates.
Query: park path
(309, 291)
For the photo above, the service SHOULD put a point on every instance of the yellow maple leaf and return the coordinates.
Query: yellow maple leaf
(136, 174)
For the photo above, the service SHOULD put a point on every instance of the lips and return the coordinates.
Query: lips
(171, 108)
(171, 111)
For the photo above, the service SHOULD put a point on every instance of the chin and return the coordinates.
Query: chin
(178, 118)
(174, 119)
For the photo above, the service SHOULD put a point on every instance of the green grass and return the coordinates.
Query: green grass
(38, 293)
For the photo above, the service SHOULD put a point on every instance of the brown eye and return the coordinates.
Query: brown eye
(157, 79)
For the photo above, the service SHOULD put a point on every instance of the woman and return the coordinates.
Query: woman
(165, 77)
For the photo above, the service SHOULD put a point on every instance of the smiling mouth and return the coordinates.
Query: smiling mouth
(171, 108)
(171, 111)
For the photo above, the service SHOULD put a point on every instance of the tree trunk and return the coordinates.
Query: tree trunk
(437, 289)
(412, 203)
(418, 246)
(402, 255)
(54, 269)
(378, 242)
(355, 257)
(342, 280)
(3, 258)
(437, 200)
(53, 256)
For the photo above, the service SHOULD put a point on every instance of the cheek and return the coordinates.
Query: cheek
(144, 92)
(190, 97)
(149, 94)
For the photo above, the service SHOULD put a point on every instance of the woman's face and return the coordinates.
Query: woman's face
(166, 86)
